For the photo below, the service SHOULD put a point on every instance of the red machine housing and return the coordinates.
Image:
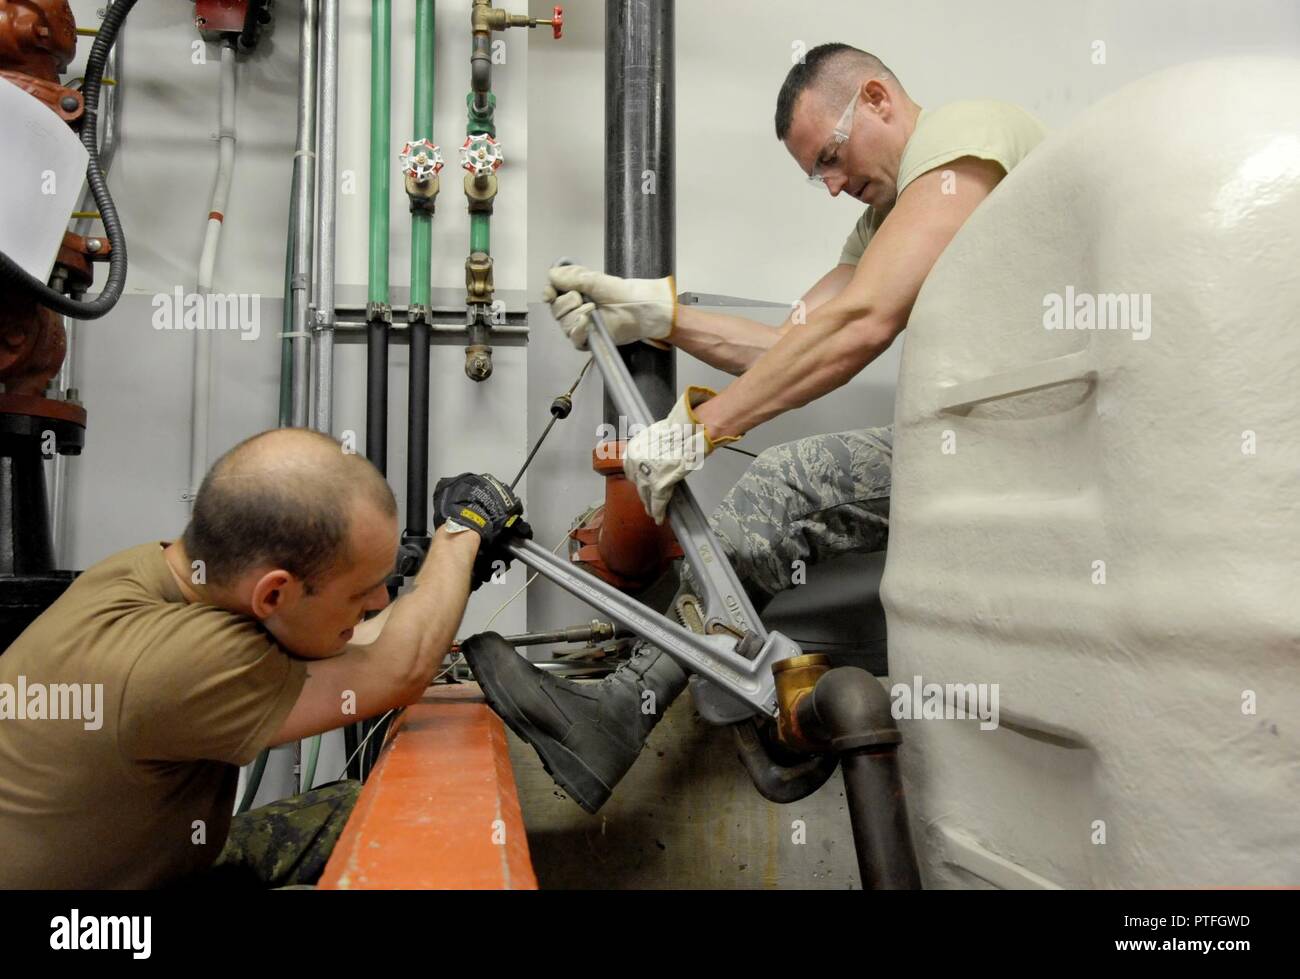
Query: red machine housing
(619, 542)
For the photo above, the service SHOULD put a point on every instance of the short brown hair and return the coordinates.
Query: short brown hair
(835, 68)
(283, 498)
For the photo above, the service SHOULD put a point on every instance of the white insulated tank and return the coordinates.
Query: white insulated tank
(1105, 523)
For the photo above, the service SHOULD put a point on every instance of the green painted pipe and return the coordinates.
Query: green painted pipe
(421, 222)
(480, 225)
(480, 238)
(381, 31)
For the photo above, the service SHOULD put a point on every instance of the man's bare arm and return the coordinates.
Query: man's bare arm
(844, 335)
(394, 669)
(733, 343)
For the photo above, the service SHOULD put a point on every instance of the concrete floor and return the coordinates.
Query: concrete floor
(685, 816)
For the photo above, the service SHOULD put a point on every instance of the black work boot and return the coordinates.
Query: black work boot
(587, 734)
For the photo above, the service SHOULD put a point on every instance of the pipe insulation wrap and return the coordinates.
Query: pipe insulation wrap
(201, 394)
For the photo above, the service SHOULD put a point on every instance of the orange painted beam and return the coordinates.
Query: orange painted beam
(440, 809)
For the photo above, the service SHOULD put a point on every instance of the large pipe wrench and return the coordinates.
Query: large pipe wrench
(732, 654)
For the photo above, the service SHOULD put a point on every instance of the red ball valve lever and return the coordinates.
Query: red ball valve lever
(557, 21)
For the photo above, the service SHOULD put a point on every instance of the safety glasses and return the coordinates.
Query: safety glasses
(831, 150)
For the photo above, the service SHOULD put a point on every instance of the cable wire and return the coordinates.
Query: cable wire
(375, 727)
(555, 416)
(504, 604)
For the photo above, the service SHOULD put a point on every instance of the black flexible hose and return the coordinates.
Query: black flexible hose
(10, 271)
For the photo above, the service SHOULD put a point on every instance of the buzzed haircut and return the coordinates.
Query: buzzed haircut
(832, 71)
(282, 498)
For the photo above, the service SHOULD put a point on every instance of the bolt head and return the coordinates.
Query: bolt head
(69, 103)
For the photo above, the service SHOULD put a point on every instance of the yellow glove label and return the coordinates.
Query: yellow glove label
(473, 517)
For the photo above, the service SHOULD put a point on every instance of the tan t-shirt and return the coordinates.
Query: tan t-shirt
(987, 130)
(138, 791)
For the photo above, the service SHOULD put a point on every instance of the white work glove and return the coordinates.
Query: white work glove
(659, 457)
(633, 309)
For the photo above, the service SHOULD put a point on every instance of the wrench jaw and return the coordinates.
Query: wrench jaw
(717, 706)
(725, 606)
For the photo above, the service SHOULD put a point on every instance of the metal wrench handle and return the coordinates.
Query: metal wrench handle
(714, 657)
(725, 601)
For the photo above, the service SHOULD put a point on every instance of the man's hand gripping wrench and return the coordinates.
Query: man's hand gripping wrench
(735, 654)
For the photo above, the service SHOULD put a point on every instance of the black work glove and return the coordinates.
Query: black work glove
(486, 506)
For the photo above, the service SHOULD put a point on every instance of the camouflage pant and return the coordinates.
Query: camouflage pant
(806, 501)
(284, 843)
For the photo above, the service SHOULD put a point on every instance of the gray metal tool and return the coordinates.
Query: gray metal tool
(732, 660)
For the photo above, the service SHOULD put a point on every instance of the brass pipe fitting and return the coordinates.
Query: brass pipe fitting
(795, 679)
(422, 194)
(485, 18)
(479, 286)
(481, 192)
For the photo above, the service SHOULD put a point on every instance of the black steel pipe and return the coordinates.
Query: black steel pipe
(417, 446)
(480, 70)
(780, 780)
(878, 814)
(849, 709)
(377, 394)
(640, 196)
(26, 544)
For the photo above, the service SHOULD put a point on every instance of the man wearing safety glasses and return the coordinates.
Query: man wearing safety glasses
(851, 128)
